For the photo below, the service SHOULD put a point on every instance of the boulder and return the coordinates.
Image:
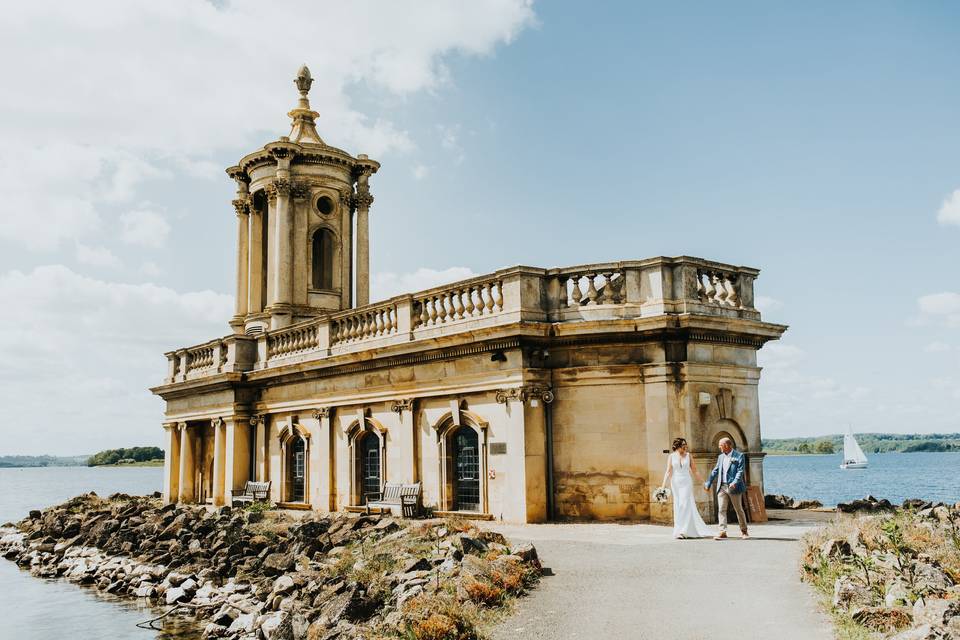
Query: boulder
(835, 547)
(935, 611)
(276, 563)
(527, 553)
(283, 585)
(849, 594)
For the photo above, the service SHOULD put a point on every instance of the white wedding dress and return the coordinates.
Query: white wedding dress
(686, 519)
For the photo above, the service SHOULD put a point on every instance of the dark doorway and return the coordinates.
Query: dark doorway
(298, 470)
(466, 464)
(369, 453)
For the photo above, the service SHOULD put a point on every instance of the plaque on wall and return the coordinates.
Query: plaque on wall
(498, 448)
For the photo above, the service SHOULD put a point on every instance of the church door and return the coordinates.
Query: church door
(369, 466)
(298, 469)
(466, 462)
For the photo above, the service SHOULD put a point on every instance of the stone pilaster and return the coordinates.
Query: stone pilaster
(171, 463)
(187, 482)
(236, 458)
(280, 270)
(219, 455)
(322, 462)
(254, 296)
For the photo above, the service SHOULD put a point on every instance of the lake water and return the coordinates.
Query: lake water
(35, 609)
(51, 610)
(894, 476)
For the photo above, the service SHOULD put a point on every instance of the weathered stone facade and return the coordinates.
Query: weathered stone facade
(524, 395)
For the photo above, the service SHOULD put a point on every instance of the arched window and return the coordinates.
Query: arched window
(322, 260)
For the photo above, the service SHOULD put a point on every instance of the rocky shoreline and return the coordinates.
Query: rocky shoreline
(265, 574)
(889, 571)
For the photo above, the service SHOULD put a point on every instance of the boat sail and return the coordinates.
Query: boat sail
(853, 456)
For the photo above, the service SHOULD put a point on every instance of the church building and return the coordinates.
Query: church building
(527, 394)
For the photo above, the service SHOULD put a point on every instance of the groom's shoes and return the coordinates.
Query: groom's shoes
(744, 536)
(720, 536)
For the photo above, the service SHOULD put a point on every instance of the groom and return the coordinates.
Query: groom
(730, 486)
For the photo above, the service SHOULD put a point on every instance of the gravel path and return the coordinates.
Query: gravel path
(636, 582)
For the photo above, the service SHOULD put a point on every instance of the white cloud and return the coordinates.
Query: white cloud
(151, 269)
(937, 347)
(420, 171)
(166, 86)
(940, 308)
(450, 140)
(387, 284)
(144, 227)
(96, 256)
(80, 352)
(949, 212)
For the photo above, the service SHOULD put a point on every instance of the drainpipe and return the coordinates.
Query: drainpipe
(548, 415)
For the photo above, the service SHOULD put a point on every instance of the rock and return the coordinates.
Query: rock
(242, 624)
(283, 585)
(145, 591)
(527, 553)
(935, 611)
(176, 594)
(254, 517)
(834, 547)
(175, 579)
(473, 545)
(881, 618)
(929, 578)
(897, 594)
(276, 626)
(848, 594)
(923, 632)
(416, 564)
(214, 630)
(276, 563)
(35, 514)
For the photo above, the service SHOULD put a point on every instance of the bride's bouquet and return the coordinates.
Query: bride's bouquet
(662, 494)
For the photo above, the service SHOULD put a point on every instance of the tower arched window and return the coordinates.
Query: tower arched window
(322, 267)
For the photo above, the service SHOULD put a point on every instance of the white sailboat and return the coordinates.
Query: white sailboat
(853, 456)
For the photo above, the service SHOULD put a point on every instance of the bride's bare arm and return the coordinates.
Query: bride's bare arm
(667, 473)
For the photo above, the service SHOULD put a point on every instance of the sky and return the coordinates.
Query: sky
(815, 141)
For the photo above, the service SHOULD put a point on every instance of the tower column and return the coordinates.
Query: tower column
(364, 200)
(346, 251)
(281, 267)
(254, 267)
(242, 206)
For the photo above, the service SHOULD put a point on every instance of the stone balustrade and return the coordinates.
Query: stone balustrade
(595, 292)
(462, 301)
(372, 321)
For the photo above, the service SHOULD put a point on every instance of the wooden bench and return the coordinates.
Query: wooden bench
(253, 492)
(396, 496)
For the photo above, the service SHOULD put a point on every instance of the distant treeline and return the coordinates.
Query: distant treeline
(133, 454)
(869, 442)
(42, 461)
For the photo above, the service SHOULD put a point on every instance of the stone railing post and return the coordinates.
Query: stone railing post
(405, 320)
(182, 373)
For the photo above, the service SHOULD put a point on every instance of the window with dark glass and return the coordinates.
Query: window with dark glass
(322, 260)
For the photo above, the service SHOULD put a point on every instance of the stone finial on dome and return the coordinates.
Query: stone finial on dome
(304, 128)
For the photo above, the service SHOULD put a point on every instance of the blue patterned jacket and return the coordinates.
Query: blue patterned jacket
(736, 474)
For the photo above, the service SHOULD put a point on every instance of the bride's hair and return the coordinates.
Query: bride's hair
(677, 443)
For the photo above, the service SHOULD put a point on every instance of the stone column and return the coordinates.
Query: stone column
(363, 200)
(261, 455)
(219, 453)
(280, 270)
(236, 458)
(254, 295)
(171, 463)
(187, 465)
(346, 251)
(241, 205)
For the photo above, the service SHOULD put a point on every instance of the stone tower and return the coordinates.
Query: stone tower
(303, 243)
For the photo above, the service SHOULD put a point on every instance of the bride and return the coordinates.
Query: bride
(681, 473)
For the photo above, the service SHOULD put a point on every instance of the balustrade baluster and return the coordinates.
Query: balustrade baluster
(708, 289)
(732, 298)
(591, 289)
(720, 294)
(469, 307)
(607, 297)
(457, 305)
(433, 310)
(498, 299)
(488, 289)
(577, 295)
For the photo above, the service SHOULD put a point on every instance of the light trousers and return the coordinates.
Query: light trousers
(724, 498)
